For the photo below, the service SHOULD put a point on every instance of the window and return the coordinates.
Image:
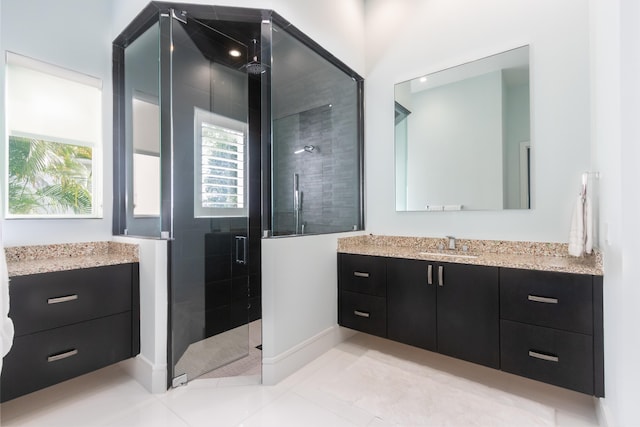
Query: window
(54, 141)
(220, 165)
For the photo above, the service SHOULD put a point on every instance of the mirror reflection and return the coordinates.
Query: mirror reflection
(462, 137)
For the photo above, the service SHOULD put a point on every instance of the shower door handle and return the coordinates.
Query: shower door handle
(241, 250)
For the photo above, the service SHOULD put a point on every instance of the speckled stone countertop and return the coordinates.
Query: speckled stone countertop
(497, 253)
(23, 260)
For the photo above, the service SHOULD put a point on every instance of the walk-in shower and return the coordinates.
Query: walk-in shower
(210, 106)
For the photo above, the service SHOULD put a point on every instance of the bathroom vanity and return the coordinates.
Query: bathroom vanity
(72, 313)
(523, 308)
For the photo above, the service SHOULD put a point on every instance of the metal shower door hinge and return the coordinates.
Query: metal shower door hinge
(178, 381)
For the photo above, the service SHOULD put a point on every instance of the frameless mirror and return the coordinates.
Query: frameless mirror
(462, 137)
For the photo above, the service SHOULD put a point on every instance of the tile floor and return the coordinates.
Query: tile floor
(109, 398)
(250, 365)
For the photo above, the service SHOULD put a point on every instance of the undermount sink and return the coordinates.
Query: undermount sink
(451, 255)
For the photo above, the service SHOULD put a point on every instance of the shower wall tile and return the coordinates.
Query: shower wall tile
(328, 176)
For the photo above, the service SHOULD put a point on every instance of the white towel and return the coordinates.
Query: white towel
(581, 233)
(6, 325)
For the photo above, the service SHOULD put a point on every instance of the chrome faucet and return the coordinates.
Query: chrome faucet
(452, 243)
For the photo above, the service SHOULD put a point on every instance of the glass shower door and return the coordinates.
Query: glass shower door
(209, 209)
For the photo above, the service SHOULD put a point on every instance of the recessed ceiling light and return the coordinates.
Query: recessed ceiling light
(235, 53)
(423, 79)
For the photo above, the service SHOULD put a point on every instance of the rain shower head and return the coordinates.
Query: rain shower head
(255, 66)
(307, 148)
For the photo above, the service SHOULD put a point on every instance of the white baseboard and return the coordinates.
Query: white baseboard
(277, 368)
(152, 377)
(603, 413)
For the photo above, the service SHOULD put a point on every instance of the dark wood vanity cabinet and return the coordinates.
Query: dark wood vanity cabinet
(411, 303)
(449, 308)
(362, 294)
(68, 323)
(537, 324)
(468, 313)
(551, 328)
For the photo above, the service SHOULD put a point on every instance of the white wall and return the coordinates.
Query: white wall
(299, 302)
(615, 64)
(73, 34)
(406, 39)
(150, 366)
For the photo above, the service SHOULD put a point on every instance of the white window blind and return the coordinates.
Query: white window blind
(50, 101)
(220, 165)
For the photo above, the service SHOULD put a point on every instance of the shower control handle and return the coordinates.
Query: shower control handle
(241, 250)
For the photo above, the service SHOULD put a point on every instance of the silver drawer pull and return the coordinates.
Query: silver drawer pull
(61, 356)
(543, 356)
(361, 313)
(545, 300)
(440, 275)
(430, 274)
(62, 299)
(360, 274)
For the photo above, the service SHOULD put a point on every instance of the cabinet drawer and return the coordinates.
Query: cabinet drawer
(49, 300)
(555, 300)
(363, 273)
(46, 358)
(556, 357)
(364, 313)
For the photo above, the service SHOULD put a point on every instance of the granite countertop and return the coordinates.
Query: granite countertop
(23, 260)
(496, 253)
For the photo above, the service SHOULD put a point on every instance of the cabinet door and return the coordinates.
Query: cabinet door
(49, 357)
(411, 303)
(550, 355)
(362, 312)
(49, 300)
(362, 273)
(546, 298)
(468, 313)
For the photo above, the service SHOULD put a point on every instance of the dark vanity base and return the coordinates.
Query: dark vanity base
(541, 325)
(69, 323)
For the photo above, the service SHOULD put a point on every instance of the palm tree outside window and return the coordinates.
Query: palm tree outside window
(54, 144)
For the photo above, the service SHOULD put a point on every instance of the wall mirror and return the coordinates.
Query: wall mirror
(462, 137)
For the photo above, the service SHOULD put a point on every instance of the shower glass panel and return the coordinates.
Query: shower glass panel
(209, 255)
(315, 147)
(142, 134)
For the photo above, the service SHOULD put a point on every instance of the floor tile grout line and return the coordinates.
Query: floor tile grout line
(324, 408)
(186, 423)
(262, 407)
(337, 413)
